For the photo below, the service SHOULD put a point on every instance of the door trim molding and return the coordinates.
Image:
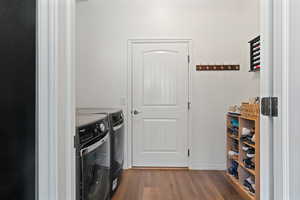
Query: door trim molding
(46, 102)
(129, 130)
(55, 52)
(275, 152)
(282, 132)
(266, 90)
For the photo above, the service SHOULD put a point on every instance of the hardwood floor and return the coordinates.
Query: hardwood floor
(148, 184)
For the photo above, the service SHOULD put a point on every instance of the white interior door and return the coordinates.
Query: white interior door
(160, 104)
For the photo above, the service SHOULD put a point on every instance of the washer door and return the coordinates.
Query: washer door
(95, 165)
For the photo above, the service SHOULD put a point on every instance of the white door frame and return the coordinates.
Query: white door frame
(266, 90)
(46, 108)
(275, 152)
(129, 135)
(49, 32)
(55, 52)
(282, 132)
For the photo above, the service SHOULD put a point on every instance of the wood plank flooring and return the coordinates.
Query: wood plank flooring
(155, 184)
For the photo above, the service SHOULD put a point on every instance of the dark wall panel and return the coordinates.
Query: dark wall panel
(17, 99)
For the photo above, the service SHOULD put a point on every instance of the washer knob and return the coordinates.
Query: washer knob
(102, 127)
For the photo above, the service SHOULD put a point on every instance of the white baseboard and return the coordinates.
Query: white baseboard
(199, 166)
(208, 166)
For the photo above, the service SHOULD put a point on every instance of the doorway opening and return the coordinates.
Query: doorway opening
(176, 96)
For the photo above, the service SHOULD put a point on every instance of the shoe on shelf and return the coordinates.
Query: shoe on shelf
(248, 149)
(249, 186)
(233, 170)
(253, 138)
(250, 180)
(245, 148)
(248, 139)
(233, 153)
(249, 163)
(250, 153)
(234, 131)
(234, 123)
(246, 131)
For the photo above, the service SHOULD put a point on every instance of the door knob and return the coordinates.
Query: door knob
(136, 112)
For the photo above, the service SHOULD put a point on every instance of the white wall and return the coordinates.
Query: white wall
(219, 29)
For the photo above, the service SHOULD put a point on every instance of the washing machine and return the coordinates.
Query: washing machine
(116, 123)
(93, 153)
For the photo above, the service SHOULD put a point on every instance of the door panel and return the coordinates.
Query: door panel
(159, 78)
(160, 96)
(158, 135)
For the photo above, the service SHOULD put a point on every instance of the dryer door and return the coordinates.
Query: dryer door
(95, 165)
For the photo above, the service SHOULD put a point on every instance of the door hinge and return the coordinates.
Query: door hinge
(269, 106)
(189, 58)
(189, 153)
(189, 105)
(75, 142)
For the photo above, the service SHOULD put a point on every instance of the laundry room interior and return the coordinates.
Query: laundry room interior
(167, 99)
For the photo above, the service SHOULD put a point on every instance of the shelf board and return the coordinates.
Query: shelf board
(240, 188)
(251, 171)
(233, 178)
(230, 127)
(233, 115)
(233, 137)
(248, 118)
(251, 145)
(235, 158)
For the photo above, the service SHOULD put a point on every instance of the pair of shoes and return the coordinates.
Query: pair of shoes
(250, 151)
(250, 185)
(235, 146)
(245, 148)
(253, 138)
(246, 131)
(233, 153)
(234, 131)
(234, 123)
(249, 163)
(249, 138)
(233, 170)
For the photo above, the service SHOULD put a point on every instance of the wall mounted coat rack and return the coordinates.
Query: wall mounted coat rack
(218, 67)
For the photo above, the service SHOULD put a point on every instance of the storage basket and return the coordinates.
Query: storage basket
(250, 110)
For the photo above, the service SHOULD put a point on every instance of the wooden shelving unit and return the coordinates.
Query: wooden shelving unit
(251, 123)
